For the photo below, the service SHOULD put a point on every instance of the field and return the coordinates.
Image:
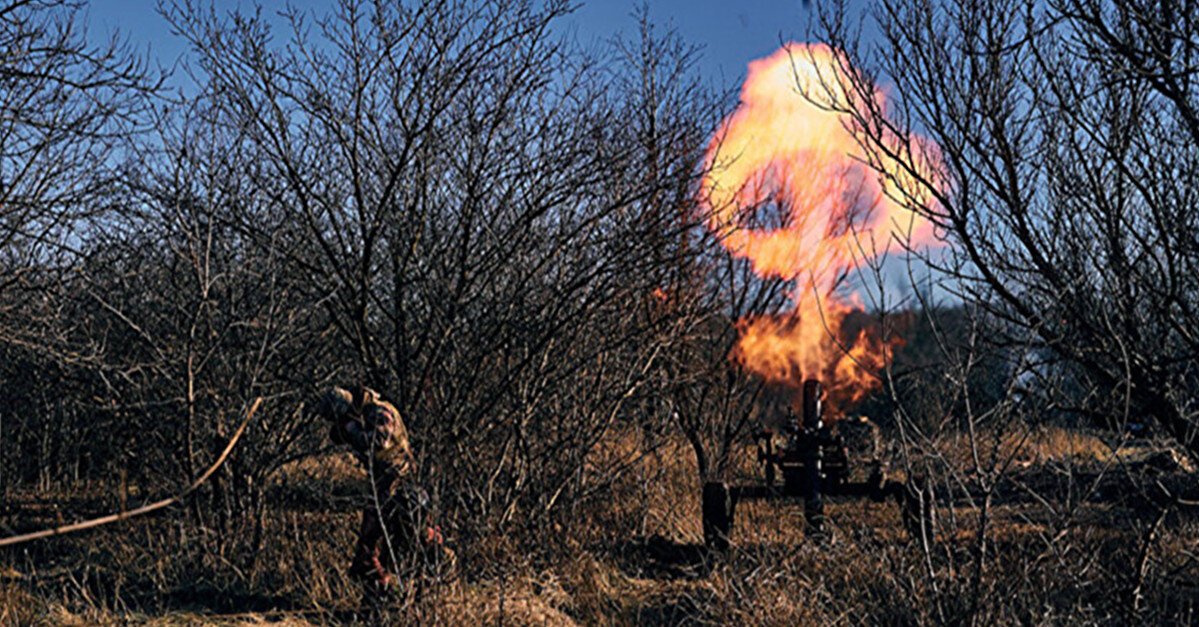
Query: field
(1054, 553)
(559, 280)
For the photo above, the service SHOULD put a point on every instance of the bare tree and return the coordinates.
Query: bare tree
(67, 108)
(461, 192)
(1063, 178)
(1052, 144)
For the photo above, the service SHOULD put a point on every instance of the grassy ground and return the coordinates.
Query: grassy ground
(1063, 545)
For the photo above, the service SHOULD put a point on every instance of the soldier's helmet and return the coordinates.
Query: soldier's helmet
(335, 404)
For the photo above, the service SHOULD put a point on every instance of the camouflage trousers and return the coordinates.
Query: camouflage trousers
(397, 537)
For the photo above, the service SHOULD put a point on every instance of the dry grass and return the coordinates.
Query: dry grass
(634, 558)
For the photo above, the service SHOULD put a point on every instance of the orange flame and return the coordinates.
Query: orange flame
(788, 188)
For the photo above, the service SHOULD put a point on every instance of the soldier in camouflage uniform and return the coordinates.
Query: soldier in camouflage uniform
(394, 522)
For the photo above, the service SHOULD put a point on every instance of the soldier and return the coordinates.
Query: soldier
(394, 522)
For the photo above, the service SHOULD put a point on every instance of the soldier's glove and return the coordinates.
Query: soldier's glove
(350, 431)
(337, 407)
(335, 404)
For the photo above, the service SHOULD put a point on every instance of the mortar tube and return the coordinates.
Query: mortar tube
(813, 423)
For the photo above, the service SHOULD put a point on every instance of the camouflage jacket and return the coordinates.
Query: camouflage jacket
(373, 428)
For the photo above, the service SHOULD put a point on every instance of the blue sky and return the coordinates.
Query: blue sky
(732, 32)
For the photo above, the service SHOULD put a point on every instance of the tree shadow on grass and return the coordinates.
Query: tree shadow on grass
(692, 608)
(213, 603)
(660, 558)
